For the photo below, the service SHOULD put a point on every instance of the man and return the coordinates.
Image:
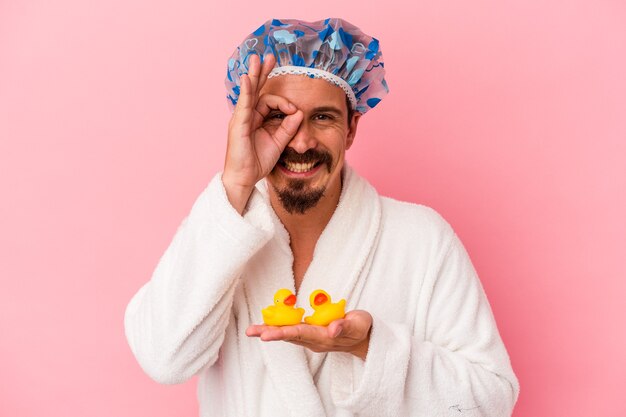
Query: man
(419, 338)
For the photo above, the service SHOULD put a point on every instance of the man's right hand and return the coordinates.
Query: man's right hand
(252, 150)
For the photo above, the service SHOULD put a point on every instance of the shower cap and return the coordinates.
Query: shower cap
(330, 49)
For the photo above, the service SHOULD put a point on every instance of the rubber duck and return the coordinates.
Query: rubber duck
(325, 311)
(283, 312)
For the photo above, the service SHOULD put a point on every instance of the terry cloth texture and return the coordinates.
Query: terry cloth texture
(435, 349)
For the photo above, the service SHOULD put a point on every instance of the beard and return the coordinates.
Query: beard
(297, 196)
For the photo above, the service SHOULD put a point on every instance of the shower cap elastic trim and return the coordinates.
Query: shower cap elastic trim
(316, 73)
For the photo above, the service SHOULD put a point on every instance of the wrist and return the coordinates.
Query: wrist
(238, 195)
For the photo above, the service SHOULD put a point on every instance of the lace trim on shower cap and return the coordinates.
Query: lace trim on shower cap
(317, 73)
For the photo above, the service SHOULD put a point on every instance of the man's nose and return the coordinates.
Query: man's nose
(304, 139)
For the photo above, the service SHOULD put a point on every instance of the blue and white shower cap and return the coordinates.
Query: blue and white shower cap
(331, 49)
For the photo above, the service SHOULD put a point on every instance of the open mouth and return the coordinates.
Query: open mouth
(300, 167)
(304, 164)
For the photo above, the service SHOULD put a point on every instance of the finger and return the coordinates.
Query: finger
(273, 334)
(254, 70)
(288, 129)
(362, 316)
(244, 103)
(335, 329)
(346, 328)
(257, 119)
(324, 345)
(268, 65)
(256, 330)
(269, 102)
(355, 326)
(301, 333)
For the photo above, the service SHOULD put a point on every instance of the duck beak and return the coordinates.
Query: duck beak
(291, 300)
(320, 299)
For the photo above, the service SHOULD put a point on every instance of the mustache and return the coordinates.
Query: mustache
(290, 155)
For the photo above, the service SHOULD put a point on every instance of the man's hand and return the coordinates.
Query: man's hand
(350, 334)
(253, 151)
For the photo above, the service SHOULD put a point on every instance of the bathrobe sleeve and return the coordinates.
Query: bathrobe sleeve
(175, 324)
(461, 367)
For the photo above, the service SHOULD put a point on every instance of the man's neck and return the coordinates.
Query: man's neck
(305, 229)
(311, 224)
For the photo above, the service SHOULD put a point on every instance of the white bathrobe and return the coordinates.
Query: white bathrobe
(434, 351)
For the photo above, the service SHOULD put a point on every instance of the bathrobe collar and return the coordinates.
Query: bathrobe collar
(342, 254)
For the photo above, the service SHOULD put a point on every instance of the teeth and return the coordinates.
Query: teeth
(300, 167)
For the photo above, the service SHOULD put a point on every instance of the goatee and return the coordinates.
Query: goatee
(297, 197)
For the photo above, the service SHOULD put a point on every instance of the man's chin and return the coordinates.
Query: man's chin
(296, 198)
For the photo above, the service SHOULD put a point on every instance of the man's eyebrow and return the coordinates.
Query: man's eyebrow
(327, 109)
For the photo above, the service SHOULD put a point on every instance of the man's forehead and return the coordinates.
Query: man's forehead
(306, 92)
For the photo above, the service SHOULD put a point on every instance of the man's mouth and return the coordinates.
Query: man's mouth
(308, 162)
(300, 167)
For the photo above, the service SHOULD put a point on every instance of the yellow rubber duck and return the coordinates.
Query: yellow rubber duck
(325, 310)
(283, 312)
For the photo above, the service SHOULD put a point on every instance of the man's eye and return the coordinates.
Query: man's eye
(275, 116)
(323, 116)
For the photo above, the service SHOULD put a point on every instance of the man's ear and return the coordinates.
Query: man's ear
(354, 122)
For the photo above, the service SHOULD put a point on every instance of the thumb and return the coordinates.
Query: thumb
(288, 128)
(335, 328)
(357, 323)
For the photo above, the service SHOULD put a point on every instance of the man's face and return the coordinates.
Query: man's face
(309, 169)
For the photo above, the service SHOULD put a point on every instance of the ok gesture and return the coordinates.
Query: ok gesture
(252, 150)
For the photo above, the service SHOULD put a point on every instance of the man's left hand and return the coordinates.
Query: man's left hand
(350, 334)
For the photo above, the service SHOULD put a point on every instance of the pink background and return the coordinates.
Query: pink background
(509, 118)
